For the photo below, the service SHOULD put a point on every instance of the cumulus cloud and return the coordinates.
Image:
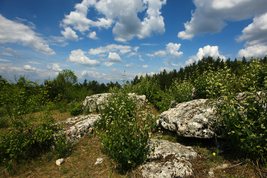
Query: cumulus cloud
(16, 32)
(255, 35)
(92, 35)
(78, 56)
(121, 15)
(54, 67)
(29, 68)
(171, 50)
(210, 16)
(114, 57)
(69, 34)
(206, 51)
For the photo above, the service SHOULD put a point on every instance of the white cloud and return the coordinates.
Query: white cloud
(29, 68)
(145, 66)
(54, 67)
(78, 56)
(120, 49)
(210, 16)
(255, 35)
(123, 14)
(92, 35)
(4, 60)
(206, 51)
(16, 32)
(114, 57)
(69, 34)
(171, 50)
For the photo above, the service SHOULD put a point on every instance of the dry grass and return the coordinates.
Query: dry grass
(79, 164)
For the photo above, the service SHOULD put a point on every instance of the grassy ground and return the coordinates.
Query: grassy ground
(81, 162)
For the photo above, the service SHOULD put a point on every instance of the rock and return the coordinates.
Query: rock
(220, 167)
(99, 161)
(59, 161)
(194, 118)
(167, 160)
(162, 149)
(95, 103)
(80, 125)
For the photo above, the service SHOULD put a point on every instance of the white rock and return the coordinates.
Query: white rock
(59, 161)
(195, 118)
(80, 125)
(167, 160)
(99, 161)
(95, 103)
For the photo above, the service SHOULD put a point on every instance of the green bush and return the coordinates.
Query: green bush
(27, 140)
(244, 123)
(63, 147)
(123, 131)
(182, 92)
(76, 109)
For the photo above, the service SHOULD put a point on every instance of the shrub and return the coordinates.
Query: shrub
(76, 109)
(123, 133)
(26, 141)
(244, 123)
(63, 147)
(182, 91)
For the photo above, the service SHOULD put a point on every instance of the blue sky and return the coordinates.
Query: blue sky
(116, 39)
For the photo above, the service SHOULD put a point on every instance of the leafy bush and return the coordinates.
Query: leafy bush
(123, 131)
(182, 91)
(76, 109)
(63, 147)
(244, 120)
(28, 140)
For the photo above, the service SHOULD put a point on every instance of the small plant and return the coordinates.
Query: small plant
(123, 133)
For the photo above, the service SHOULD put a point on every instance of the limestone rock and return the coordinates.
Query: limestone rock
(95, 103)
(194, 118)
(99, 161)
(59, 161)
(80, 125)
(168, 160)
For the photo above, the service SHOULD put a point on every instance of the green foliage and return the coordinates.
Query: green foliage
(123, 131)
(26, 141)
(182, 91)
(63, 147)
(76, 109)
(244, 120)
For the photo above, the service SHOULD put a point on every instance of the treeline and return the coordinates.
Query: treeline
(198, 79)
(64, 93)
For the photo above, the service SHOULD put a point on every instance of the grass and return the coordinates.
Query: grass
(79, 164)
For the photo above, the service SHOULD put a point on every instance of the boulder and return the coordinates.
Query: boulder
(79, 126)
(194, 118)
(95, 103)
(168, 160)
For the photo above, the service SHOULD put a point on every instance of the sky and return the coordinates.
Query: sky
(115, 40)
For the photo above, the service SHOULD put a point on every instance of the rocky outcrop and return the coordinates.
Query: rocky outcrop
(79, 126)
(195, 118)
(168, 160)
(95, 103)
